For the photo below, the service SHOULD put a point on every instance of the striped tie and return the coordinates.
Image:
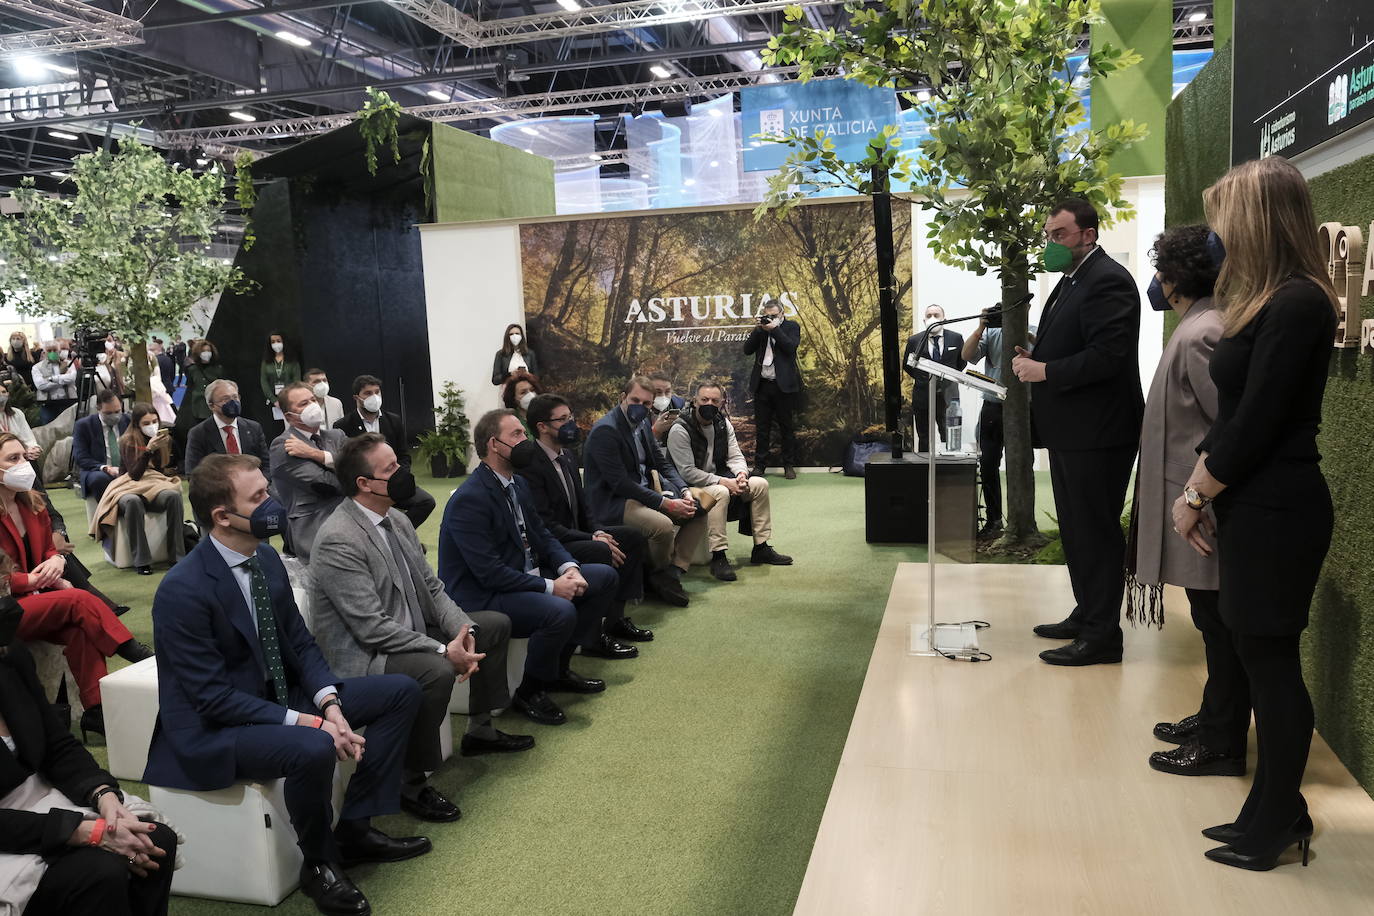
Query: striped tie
(267, 628)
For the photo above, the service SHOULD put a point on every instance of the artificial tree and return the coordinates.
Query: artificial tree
(127, 252)
(1007, 141)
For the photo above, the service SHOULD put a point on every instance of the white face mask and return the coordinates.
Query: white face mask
(205, 356)
(526, 399)
(109, 345)
(515, 340)
(277, 346)
(20, 477)
(372, 403)
(662, 403)
(64, 353)
(149, 429)
(100, 357)
(321, 389)
(312, 416)
(16, 343)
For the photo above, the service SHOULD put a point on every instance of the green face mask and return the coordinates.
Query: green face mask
(52, 357)
(1057, 258)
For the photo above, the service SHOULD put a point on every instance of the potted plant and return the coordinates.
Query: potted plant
(446, 446)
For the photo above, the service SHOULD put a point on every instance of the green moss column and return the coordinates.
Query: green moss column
(1140, 93)
(1224, 17)
(476, 179)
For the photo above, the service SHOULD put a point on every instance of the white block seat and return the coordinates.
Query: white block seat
(129, 698)
(515, 673)
(118, 553)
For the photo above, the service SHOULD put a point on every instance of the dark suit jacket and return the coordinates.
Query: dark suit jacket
(546, 489)
(786, 338)
(951, 347)
(45, 746)
(500, 366)
(211, 674)
(88, 444)
(611, 468)
(167, 370)
(389, 424)
(204, 439)
(480, 554)
(1089, 340)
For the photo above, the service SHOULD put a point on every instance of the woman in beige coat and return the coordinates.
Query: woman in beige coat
(1179, 411)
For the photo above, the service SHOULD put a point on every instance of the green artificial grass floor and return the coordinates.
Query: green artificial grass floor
(694, 784)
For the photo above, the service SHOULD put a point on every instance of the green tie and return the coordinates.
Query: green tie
(267, 628)
(112, 443)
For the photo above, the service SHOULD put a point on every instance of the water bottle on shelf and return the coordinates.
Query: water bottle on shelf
(954, 427)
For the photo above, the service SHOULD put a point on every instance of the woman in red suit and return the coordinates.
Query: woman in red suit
(54, 611)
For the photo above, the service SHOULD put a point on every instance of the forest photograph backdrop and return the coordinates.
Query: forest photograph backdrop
(609, 297)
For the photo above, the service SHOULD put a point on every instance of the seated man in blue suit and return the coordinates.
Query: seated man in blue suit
(496, 554)
(95, 443)
(244, 692)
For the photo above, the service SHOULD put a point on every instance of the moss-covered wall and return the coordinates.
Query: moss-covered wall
(1140, 93)
(1338, 648)
(476, 178)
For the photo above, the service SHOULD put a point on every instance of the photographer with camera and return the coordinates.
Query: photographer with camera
(985, 343)
(775, 382)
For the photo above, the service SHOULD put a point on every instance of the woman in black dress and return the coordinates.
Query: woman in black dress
(1260, 469)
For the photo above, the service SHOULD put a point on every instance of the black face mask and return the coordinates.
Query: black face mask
(400, 487)
(268, 519)
(708, 413)
(521, 455)
(567, 433)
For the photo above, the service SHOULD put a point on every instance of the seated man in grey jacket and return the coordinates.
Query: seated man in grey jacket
(704, 450)
(378, 608)
(302, 459)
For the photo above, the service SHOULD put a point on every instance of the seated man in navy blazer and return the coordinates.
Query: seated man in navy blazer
(226, 431)
(244, 692)
(496, 554)
(95, 443)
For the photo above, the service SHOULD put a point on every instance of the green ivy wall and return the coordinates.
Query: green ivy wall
(1338, 648)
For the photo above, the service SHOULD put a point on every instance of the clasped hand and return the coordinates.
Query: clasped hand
(1194, 526)
(48, 573)
(347, 744)
(570, 585)
(1027, 369)
(617, 555)
(462, 652)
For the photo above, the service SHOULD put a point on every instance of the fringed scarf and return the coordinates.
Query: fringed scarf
(1144, 600)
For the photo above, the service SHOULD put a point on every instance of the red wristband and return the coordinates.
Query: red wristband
(319, 722)
(97, 831)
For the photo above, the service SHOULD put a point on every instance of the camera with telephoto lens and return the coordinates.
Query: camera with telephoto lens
(992, 316)
(90, 343)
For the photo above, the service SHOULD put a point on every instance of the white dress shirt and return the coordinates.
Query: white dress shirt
(244, 579)
(223, 436)
(509, 482)
(376, 521)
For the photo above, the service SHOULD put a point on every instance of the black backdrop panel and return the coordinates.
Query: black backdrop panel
(1304, 74)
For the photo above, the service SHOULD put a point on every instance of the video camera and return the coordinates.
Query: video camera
(992, 316)
(90, 343)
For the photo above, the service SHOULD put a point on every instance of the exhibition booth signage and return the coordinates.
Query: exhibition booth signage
(849, 114)
(1299, 79)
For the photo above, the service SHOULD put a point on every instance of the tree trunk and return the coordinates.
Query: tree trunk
(1021, 529)
(138, 354)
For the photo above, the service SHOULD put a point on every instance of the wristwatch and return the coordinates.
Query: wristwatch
(1194, 499)
(332, 701)
(106, 790)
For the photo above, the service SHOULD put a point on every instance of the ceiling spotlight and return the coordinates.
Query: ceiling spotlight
(1197, 15)
(63, 175)
(714, 164)
(525, 128)
(62, 135)
(660, 71)
(689, 181)
(242, 116)
(595, 157)
(292, 38)
(923, 95)
(28, 67)
(717, 113)
(645, 176)
(436, 94)
(571, 6)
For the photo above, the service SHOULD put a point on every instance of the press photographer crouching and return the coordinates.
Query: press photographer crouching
(703, 447)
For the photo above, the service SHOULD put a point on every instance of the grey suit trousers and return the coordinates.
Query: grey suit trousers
(435, 675)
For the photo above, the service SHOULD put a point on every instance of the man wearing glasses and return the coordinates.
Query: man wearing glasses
(1086, 408)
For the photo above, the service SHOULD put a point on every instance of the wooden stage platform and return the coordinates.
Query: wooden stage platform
(1015, 787)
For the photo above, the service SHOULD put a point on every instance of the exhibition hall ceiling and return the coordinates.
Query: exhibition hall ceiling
(74, 75)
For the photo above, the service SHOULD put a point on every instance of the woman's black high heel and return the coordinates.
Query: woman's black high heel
(1223, 833)
(1300, 833)
(92, 720)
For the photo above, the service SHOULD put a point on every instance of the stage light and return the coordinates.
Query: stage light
(292, 38)
(660, 71)
(436, 94)
(242, 116)
(62, 135)
(923, 95)
(714, 164)
(1197, 15)
(30, 68)
(594, 157)
(689, 181)
(571, 6)
(63, 175)
(645, 176)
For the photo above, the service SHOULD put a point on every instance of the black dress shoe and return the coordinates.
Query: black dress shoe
(121, 609)
(572, 682)
(333, 893)
(144, 570)
(1061, 630)
(989, 531)
(538, 707)
(1195, 760)
(764, 554)
(625, 628)
(1081, 652)
(1223, 833)
(501, 744)
(666, 586)
(131, 650)
(1180, 732)
(1300, 833)
(371, 845)
(721, 568)
(430, 805)
(606, 647)
(789, 472)
(92, 720)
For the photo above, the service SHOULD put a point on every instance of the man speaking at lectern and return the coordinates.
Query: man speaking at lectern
(1086, 408)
